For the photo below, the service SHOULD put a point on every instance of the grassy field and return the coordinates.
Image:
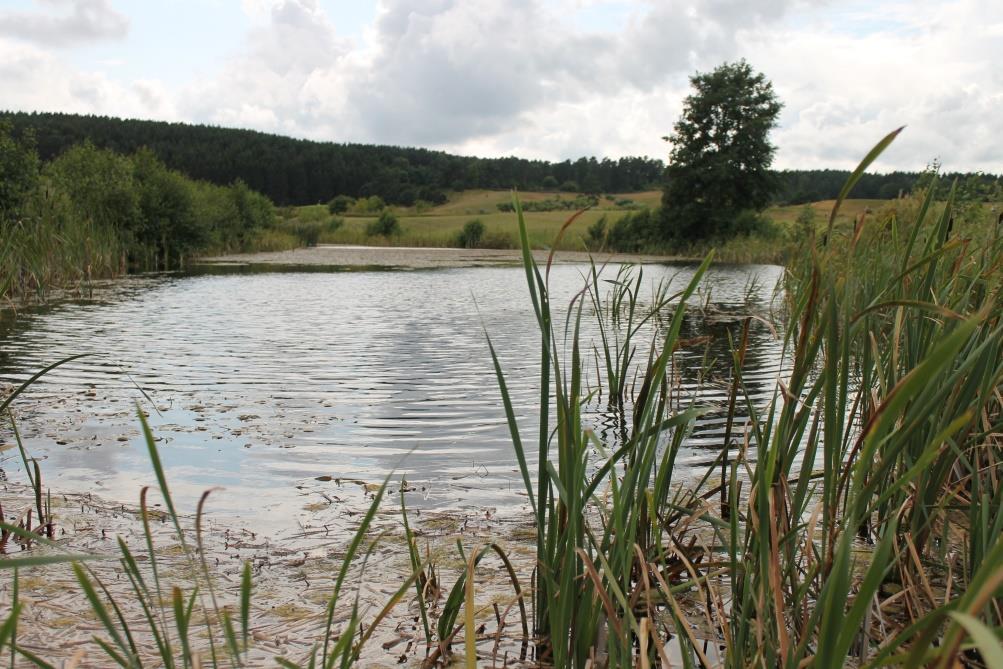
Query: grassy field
(850, 210)
(441, 225)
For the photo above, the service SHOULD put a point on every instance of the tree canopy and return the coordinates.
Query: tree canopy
(140, 211)
(721, 154)
(298, 171)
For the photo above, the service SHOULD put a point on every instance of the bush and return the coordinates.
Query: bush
(549, 183)
(19, 172)
(597, 234)
(570, 186)
(308, 232)
(386, 225)
(749, 222)
(369, 205)
(633, 232)
(340, 204)
(554, 204)
(470, 236)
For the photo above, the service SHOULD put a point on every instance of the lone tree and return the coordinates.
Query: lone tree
(719, 167)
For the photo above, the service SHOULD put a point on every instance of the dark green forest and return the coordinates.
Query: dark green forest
(802, 186)
(296, 171)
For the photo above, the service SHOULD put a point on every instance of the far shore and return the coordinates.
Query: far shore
(422, 258)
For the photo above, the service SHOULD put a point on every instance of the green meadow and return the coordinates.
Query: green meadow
(441, 226)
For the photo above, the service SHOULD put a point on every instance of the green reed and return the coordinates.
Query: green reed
(50, 250)
(877, 462)
(857, 518)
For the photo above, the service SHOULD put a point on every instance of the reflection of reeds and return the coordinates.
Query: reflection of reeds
(856, 518)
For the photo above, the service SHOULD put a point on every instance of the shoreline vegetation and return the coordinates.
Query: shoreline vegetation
(856, 520)
(413, 258)
(90, 213)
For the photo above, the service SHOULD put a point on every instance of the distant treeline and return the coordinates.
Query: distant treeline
(802, 186)
(295, 171)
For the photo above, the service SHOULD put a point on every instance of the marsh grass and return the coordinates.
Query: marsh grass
(44, 252)
(855, 518)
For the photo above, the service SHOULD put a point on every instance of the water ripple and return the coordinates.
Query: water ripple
(262, 381)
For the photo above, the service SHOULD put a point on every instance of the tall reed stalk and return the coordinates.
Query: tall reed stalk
(876, 462)
(857, 519)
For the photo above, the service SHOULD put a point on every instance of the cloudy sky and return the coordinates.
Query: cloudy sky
(550, 79)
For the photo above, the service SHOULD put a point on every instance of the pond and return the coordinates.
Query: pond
(289, 388)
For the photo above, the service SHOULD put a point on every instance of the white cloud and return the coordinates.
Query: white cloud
(36, 80)
(466, 73)
(526, 77)
(932, 69)
(86, 21)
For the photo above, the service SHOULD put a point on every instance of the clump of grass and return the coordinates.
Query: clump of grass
(46, 252)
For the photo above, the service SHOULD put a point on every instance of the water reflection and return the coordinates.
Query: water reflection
(262, 382)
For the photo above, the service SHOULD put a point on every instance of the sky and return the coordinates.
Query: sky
(551, 79)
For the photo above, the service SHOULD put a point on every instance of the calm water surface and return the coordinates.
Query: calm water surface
(261, 382)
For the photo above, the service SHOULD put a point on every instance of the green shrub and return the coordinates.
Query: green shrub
(313, 213)
(750, 222)
(308, 232)
(597, 234)
(634, 231)
(369, 205)
(470, 236)
(19, 172)
(339, 204)
(553, 204)
(386, 225)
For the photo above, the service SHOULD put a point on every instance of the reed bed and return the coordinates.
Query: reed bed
(853, 519)
(45, 252)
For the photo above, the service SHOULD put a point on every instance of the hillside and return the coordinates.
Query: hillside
(300, 172)
(296, 171)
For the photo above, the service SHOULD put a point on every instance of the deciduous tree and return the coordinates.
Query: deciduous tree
(721, 154)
